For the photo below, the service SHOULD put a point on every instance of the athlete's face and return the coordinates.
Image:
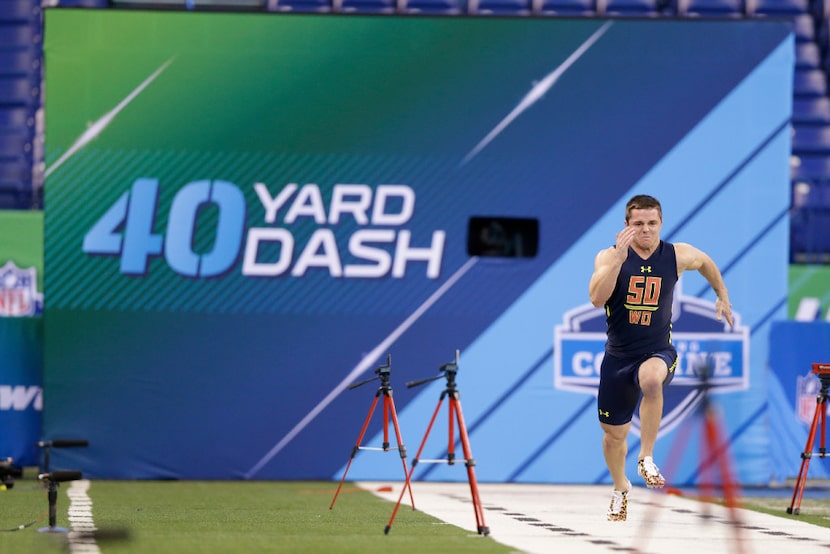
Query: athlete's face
(647, 223)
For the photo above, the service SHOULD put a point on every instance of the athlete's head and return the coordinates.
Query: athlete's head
(643, 202)
(645, 215)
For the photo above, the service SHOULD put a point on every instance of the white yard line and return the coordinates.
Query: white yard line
(82, 534)
(539, 519)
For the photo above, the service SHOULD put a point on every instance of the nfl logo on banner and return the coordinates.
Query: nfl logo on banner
(806, 393)
(18, 292)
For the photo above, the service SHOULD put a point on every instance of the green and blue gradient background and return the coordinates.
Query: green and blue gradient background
(171, 377)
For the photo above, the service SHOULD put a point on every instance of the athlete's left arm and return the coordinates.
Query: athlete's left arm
(691, 258)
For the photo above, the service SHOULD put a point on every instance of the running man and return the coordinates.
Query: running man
(635, 280)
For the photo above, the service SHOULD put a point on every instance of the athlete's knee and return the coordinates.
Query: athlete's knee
(651, 386)
(611, 442)
(614, 435)
(651, 376)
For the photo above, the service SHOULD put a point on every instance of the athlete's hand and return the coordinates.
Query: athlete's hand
(723, 309)
(624, 239)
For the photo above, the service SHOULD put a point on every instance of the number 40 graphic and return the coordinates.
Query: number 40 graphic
(126, 229)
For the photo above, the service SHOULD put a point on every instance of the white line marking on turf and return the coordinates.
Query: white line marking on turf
(82, 536)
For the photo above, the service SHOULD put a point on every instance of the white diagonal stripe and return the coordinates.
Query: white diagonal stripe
(537, 91)
(98, 127)
(367, 362)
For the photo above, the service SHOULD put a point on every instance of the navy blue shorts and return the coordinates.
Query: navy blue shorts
(619, 387)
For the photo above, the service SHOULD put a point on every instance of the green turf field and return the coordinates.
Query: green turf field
(158, 517)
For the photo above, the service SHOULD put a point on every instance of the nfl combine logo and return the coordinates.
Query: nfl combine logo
(18, 292)
(706, 348)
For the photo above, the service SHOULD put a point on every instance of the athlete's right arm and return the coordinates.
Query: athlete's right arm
(607, 266)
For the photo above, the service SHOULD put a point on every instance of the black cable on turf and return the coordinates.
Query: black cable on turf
(25, 525)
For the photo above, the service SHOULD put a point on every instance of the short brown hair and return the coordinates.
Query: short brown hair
(642, 202)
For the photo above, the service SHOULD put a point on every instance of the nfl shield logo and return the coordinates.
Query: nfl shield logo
(806, 394)
(18, 292)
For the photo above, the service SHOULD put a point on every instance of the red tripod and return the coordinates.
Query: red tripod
(384, 390)
(819, 418)
(449, 370)
(714, 451)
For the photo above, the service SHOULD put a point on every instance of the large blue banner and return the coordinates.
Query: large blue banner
(266, 207)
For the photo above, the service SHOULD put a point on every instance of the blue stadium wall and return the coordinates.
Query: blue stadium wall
(247, 213)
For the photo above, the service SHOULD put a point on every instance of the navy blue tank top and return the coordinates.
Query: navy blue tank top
(638, 312)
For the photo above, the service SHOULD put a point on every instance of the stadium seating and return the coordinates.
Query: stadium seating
(777, 8)
(368, 6)
(634, 8)
(15, 119)
(502, 7)
(17, 91)
(807, 168)
(569, 8)
(15, 12)
(809, 83)
(804, 26)
(811, 140)
(84, 3)
(811, 111)
(807, 55)
(20, 64)
(302, 6)
(15, 63)
(14, 170)
(12, 194)
(13, 144)
(437, 7)
(711, 8)
(810, 235)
